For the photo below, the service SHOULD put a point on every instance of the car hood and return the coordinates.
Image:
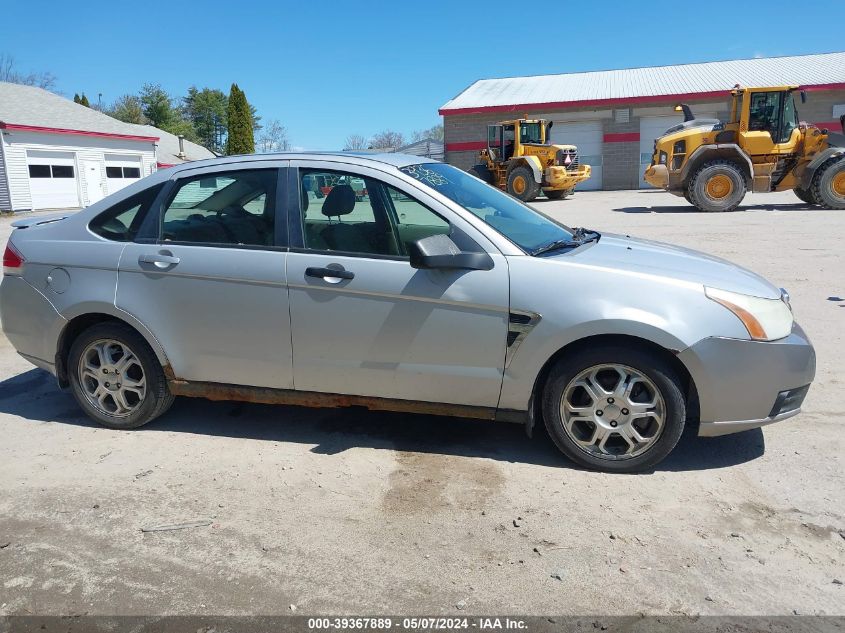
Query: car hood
(644, 257)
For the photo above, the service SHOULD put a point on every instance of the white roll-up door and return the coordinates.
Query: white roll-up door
(652, 127)
(53, 181)
(122, 170)
(587, 136)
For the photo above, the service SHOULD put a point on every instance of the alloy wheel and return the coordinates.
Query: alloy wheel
(613, 411)
(112, 378)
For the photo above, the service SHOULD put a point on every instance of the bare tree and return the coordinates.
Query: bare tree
(387, 140)
(273, 138)
(355, 141)
(9, 72)
(435, 132)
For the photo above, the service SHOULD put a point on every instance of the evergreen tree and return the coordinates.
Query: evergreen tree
(76, 98)
(83, 100)
(206, 110)
(241, 139)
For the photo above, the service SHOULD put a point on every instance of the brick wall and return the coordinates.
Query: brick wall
(621, 159)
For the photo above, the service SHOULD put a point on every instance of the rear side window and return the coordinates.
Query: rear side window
(233, 208)
(122, 221)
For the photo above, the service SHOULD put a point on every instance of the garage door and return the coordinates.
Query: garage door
(587, 136)
(122, 170)
(651, 127)
(53, 180)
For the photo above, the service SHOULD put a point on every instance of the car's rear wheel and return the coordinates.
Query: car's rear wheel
(614, 408)
(116, 378)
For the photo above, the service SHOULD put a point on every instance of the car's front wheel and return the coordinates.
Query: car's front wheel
(614, 408)
(116, 378)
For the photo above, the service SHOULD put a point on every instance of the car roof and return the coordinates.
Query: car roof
(352, 158)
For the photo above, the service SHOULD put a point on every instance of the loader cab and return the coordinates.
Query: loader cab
(505, 140)
(767, 120)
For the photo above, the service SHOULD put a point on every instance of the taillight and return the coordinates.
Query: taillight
(12, 260)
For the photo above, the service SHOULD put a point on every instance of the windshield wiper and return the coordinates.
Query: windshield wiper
(580, 237)
(554, 246)
(586, 235)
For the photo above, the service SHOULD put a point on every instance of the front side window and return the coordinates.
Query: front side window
(234, 208)
(518, 222)
(764, 112)
(530, 133)
(121, 222)
(349, 213)
(790, 119)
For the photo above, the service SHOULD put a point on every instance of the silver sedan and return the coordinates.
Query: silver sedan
(398, 283)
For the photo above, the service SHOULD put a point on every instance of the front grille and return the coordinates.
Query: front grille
(573, 157)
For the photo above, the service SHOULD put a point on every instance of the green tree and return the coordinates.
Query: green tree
(241, 139)
(76, 98)
(206, 109)
(127, 108)
(157, 105)
(83, 100)
(183, 127)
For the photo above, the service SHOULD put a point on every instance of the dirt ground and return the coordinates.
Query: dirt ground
(350, 512)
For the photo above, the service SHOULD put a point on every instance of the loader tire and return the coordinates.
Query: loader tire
(557, 194)
(805, 195)
(828, 186)
(717, 186)
(521, 184)
(482, 173)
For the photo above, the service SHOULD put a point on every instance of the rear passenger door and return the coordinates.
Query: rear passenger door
(364, 322)
(207, 276)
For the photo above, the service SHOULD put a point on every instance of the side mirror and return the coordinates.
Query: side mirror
(439, 251)
(803, 96)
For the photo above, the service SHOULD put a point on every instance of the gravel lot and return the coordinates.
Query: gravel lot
(350, 512)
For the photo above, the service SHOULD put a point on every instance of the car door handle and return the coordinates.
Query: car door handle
(332, 275)
(161, 260)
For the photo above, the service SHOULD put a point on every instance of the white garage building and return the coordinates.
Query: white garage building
(613, 116)
(56, 154)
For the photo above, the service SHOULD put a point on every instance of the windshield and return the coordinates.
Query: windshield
(530, 133)
(518, 222)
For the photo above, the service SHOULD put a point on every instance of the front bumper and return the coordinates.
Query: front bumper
(744, 384)
(563, 178)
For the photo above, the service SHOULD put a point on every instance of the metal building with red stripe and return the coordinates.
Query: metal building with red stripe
(613, 116)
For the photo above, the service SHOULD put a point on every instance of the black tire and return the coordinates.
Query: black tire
(804, 195)
(725, 171)
(557, 194)
(530, 187)
(687, 198)
(482, 173)
(653, 366)
(157, 398)
(828, 183)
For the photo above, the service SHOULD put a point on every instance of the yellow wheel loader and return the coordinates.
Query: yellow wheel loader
(520, 160)
(763, 147)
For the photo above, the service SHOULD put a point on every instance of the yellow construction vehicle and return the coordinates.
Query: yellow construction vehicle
(763, 147)
(520, 160)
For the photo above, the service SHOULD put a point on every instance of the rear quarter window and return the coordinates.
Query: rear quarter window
(121, 222)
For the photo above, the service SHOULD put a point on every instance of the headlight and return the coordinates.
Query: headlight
(765, 319)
